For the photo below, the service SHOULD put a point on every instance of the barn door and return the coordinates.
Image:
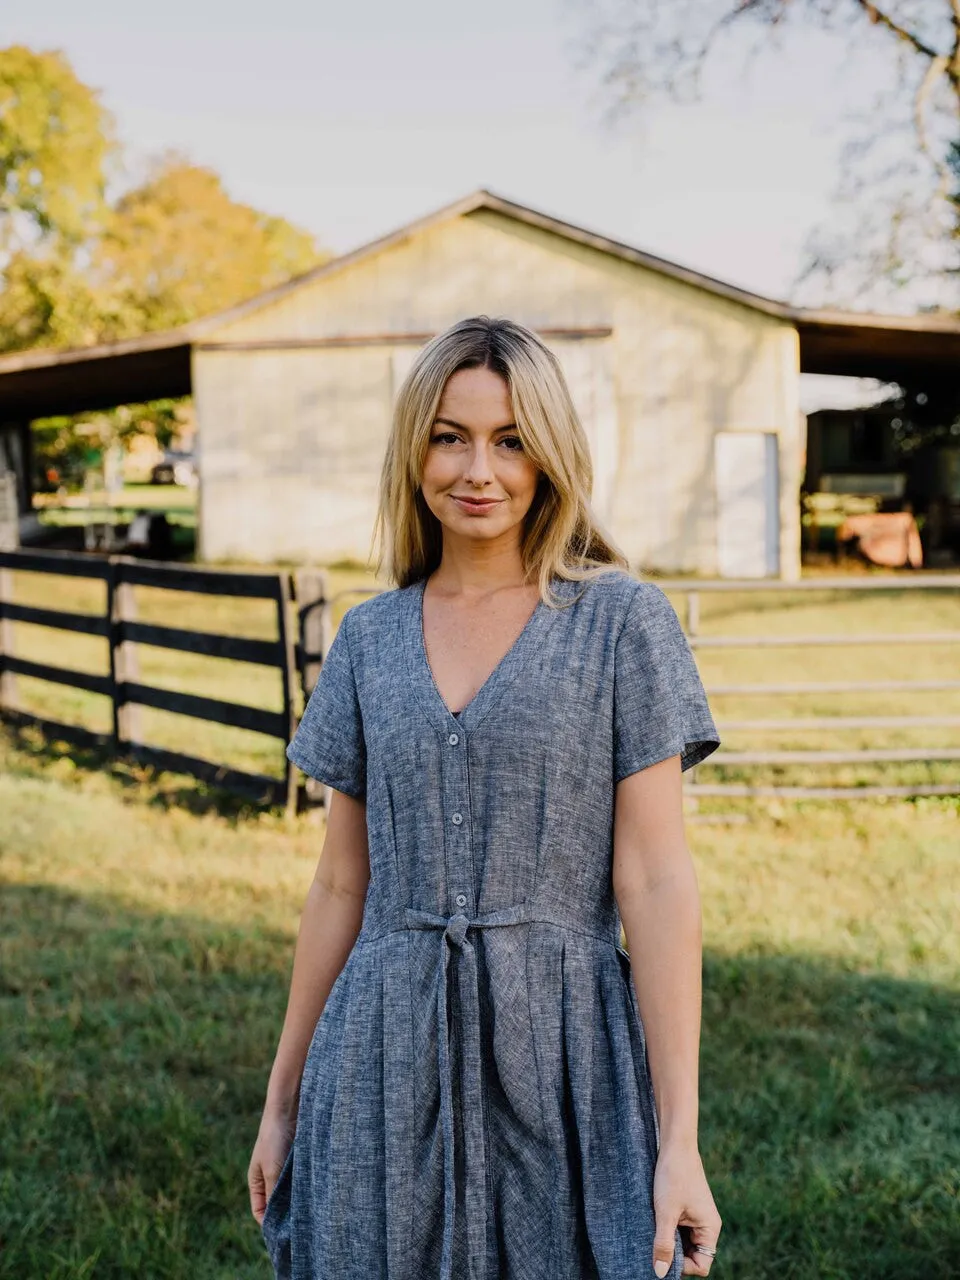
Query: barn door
(748, 524)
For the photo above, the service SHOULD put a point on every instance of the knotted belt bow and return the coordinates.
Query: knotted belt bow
(455, 935)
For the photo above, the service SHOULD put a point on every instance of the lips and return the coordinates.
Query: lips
(480, 504)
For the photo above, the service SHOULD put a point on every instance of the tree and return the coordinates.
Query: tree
(76, 269)
(56, 140)
(56, 148)
(899, 152)
(178, 246)
(48, 302)
(64, 445)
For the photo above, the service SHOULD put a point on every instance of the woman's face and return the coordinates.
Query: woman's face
(475, 452)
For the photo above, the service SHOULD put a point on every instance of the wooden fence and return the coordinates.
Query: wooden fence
(118, 624)
(731, 759)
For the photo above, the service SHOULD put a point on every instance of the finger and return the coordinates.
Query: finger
(664, 1243)
(691, 1268)
(258, 1196)
(696, 1265)
(700, 1262)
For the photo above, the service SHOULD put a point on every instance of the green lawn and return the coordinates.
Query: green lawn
(71, 509)
(146, 937)
(147, 927)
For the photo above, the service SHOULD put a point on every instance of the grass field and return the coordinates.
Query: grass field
(145, 945)
(70, 508)
(147, 930)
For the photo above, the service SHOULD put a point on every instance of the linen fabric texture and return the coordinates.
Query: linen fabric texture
(476, 1102)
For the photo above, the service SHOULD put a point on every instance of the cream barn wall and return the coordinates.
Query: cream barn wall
(291, 440)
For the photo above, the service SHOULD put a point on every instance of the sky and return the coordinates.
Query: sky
(352, 119)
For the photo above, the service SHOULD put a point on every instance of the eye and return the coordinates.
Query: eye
(515, 443)
(442, 436)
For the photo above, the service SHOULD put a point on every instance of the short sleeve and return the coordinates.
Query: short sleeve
(328, 744)
(660, 705)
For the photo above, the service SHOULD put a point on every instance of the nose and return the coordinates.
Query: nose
(479, 469)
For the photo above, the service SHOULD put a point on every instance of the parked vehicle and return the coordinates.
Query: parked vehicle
(176, 467)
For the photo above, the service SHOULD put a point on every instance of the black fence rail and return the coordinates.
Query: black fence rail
(119, 626)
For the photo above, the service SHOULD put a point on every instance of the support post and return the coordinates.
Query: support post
(314, 625)
(693, 615)
(124, 662)
(288, 675)
(8, 681)
(9, 510)
(26, 479)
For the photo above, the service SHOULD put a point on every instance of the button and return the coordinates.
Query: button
(457, 818)
(461, 899)
(453, 739)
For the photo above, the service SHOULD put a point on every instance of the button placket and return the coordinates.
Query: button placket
(456, 788)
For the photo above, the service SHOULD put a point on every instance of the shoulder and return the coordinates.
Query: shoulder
(651, 621)
(618, 595)
(634, 609)
(372, 620)
(649, 601)
(604, 588)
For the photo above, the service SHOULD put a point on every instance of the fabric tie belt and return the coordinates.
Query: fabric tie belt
(455, 930)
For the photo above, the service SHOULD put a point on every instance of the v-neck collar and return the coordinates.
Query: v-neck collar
(506, 670)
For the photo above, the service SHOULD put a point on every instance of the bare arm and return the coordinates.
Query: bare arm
(655, 884)
(331, 920)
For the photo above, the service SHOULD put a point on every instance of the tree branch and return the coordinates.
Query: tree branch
(877, 15)
(935, 70)
(953, 69)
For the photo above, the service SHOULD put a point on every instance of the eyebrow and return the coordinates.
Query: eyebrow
(449, 422)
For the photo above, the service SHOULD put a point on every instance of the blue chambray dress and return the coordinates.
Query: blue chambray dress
(476, 1102)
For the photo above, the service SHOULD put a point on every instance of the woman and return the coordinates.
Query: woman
(467, 1085)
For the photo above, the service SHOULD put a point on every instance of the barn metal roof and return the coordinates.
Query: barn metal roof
(41, 383)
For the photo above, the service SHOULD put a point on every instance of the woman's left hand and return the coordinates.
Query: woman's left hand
(681, 1197)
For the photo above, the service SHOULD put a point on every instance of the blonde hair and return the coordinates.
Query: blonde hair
(562, 537)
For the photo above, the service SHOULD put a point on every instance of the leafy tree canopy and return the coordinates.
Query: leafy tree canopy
(178, 246)
(77, 269)
(55, 142)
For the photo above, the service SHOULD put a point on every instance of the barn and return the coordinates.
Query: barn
(688, 391)
(688, 387)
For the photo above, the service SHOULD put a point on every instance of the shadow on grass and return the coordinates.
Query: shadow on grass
(134, 1056)
(159, 789)
(135, 1051)
(830, 1119)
